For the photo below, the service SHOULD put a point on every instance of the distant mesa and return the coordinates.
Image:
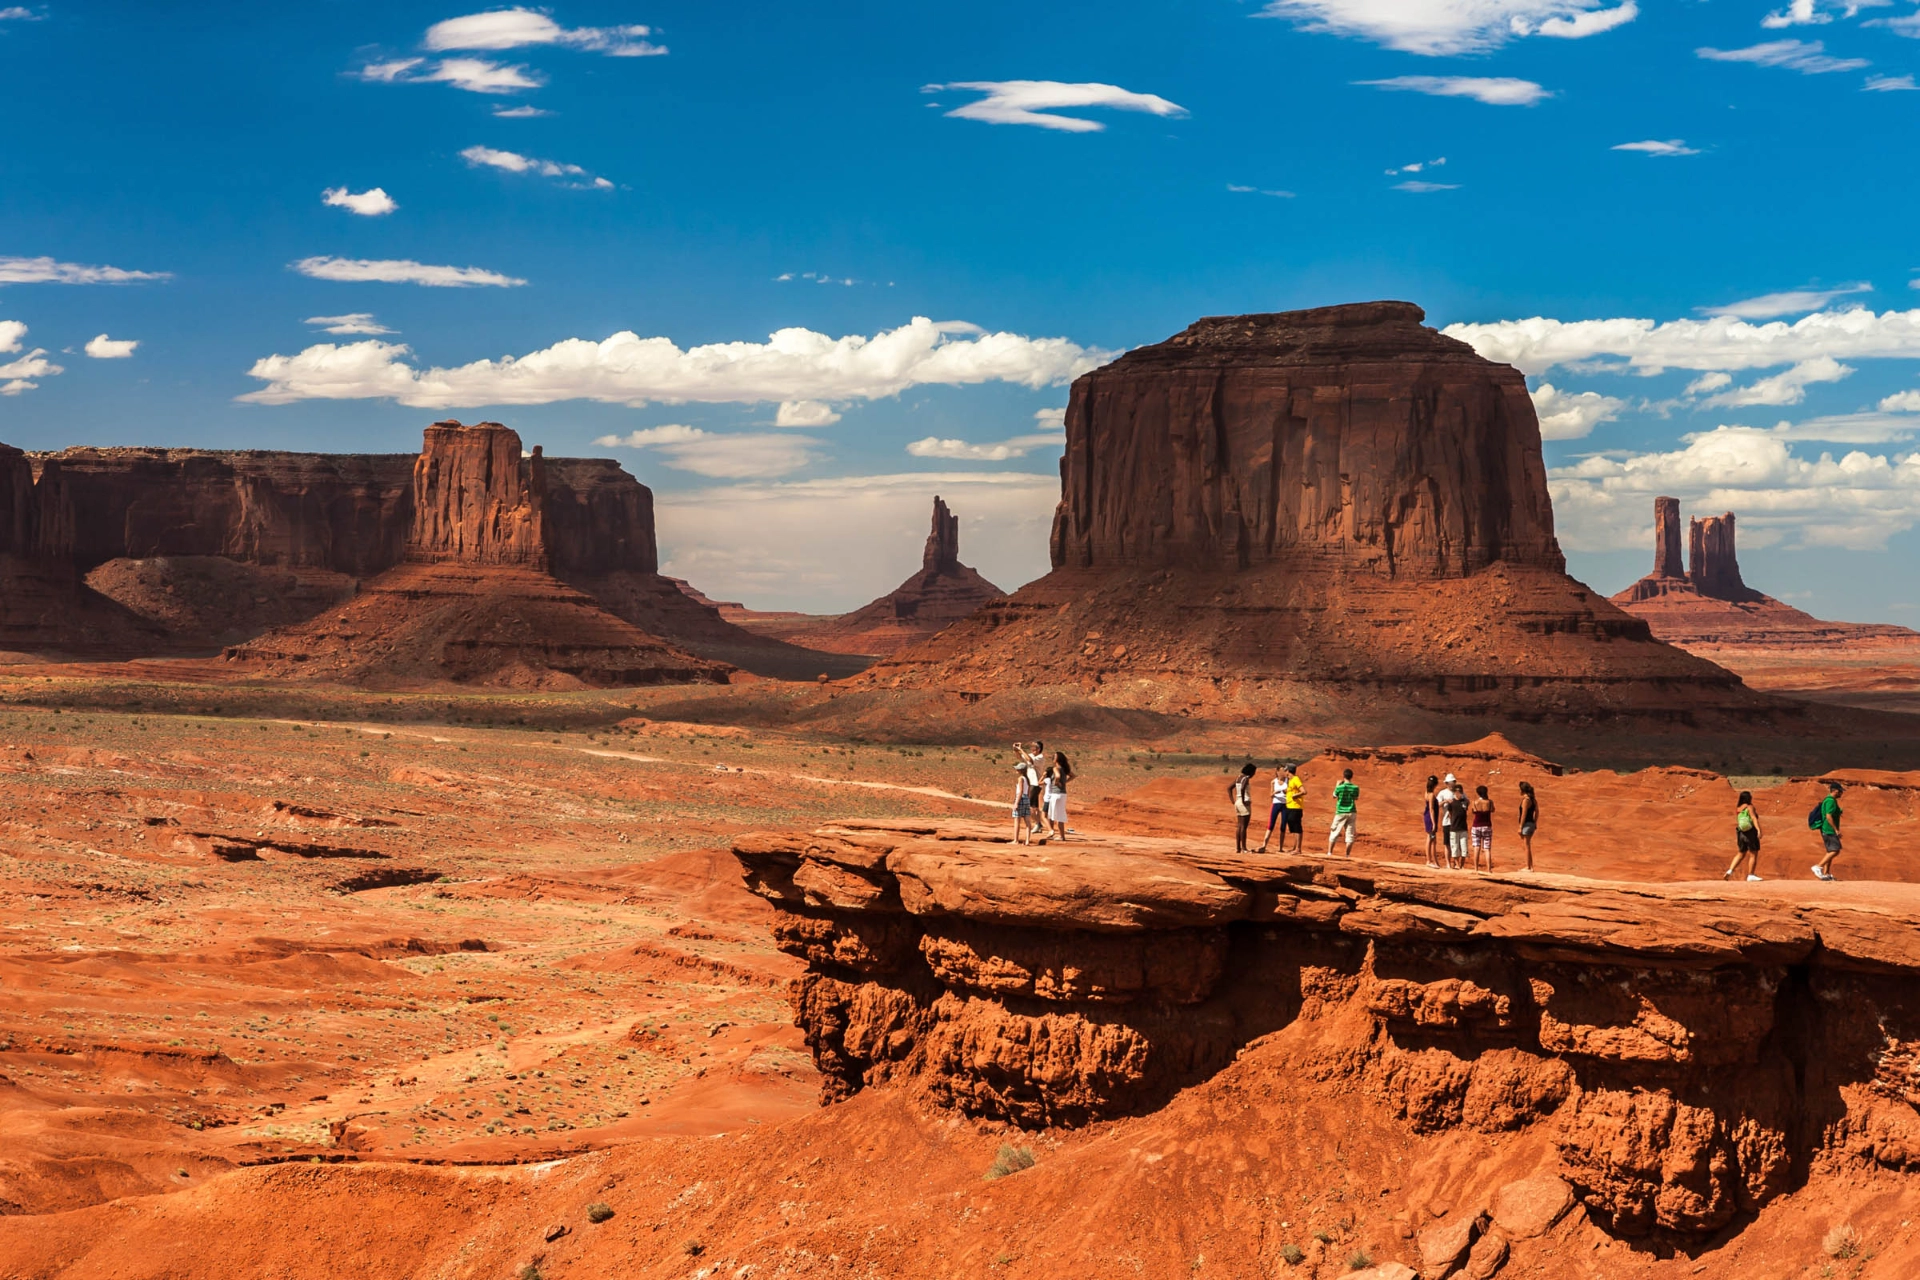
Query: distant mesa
(1705, 603)
(943, 592)
(1329, 516)
(120, 553)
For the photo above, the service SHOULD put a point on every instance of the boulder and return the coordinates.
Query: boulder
(1444, 1245)
(1489, 1254)
(1531, 1206)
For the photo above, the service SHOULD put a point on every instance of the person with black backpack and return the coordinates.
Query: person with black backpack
(1825, 819)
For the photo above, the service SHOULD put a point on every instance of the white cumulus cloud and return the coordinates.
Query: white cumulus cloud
(1572, 415)
(1033, 102)
(1808, 57)
(1901, 402)
(17, 376)
(518, 28)
(1718, 343)
(804, 413)
(1441, 28)
(101, 347)
(722, 456)
(1790, 302)
(793, 364)
(371, 203)
(1656, 147)
(572, 175)
(401, 271)
(1857, 501)
(1787, 387)
(999, 451)
(1495, 91)
(48, 271)
(352, 322)
(1811, 13)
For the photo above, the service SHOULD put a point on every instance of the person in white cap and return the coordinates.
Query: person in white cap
(1453, 821)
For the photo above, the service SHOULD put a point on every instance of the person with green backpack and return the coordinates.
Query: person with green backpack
(1825, 819)
(1346, 800)
(1746, 838)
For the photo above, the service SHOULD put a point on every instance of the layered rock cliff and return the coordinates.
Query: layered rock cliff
(1335, 515)
(1691, 1051)
(1709, 605)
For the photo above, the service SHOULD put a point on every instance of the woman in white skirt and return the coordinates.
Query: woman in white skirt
(1054, 797)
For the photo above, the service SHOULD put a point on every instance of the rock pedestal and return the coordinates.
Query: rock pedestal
(476, 500)
(1714, 565)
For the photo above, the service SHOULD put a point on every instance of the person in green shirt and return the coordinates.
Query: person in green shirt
(1829, 832)
(1346, 795)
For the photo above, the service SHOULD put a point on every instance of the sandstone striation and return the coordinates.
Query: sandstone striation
(1709, 605)
(1692, 1054)
(1336, 514)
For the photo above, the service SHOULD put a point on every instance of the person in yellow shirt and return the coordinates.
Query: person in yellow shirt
(1293, 817)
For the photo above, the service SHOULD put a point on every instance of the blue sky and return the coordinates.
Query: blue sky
(694, 175)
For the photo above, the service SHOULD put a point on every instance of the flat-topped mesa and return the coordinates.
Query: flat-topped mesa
(16, 501)
(476, 499)
(1353, 435)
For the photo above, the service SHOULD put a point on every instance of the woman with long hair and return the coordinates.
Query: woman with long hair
(1059, 774)
(1529, 819)
(1241, 793)
(1430, 816)
(1746, 838)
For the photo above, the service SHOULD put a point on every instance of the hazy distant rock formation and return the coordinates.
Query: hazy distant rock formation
(1710, 604)
(1334, 512)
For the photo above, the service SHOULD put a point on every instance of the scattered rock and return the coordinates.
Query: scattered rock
(1488, 1256)
(1443, 1245)
(1531, 1206)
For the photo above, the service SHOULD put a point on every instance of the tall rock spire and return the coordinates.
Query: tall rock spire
(943, 543)
(1666, 539)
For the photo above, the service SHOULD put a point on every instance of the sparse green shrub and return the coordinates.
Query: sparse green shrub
(1841, 1242)
(599, 1211)
(530, 1272)
(1293, 1254)
(694, 1248)
(1323, 1237)
(1358, 1260)
(1010, 1160)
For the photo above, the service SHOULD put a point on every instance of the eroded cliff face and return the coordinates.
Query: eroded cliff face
(476, 500)
(1692, 1054)
(1349, 436)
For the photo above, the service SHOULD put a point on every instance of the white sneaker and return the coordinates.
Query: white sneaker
(1753, 879)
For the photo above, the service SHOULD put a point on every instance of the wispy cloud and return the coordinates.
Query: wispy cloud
(1237, 188)
(814, 277)
(17, 376)
(1443, 28)
(805, 413)
(1417, 167)
(1812, 13)
(475, 75)
(16, 13)
(519, 28)
(1032, 102)
(513, 162)
(374, 202)
(1655, 147)
(101, 347)
(401, 271)
(1496, 91)
(521, 112)
(742, 455)
(1717, 343)
(1787, 387)
(352, 322)
(792, 365)
(1418, 187)
(1889, 84)
(1790, 302)
(999, 451)
(1808, 57)
(48, 271)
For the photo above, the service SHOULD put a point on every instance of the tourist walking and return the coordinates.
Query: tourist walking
(1279, 805)
(1241, 793)
(1032, 762)
(1430, 819)
(1346, 799)
(1746, 838)
(1826, 820)
(1529, 820)
(1293, 816)
(1480, 826)
(1022, 805)
(1059, 774)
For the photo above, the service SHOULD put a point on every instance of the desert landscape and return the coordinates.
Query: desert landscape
(399, 874)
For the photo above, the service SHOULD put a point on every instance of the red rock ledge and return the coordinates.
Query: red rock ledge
(1697, 1048)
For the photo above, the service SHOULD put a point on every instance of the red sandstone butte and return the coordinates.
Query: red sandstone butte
(1337, 513)
(1710, 605)
(943, 592)
(474, 600)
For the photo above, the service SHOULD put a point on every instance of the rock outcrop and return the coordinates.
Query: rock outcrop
(1691, 1051)
(1333, 514)
(477, 499)
(942, 593)
(1710, 605)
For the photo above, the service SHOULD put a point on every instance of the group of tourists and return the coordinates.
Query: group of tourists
(1288, 813)
(1459, 821)
(1039, 794)
(1824, 820)
(1459, 826)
